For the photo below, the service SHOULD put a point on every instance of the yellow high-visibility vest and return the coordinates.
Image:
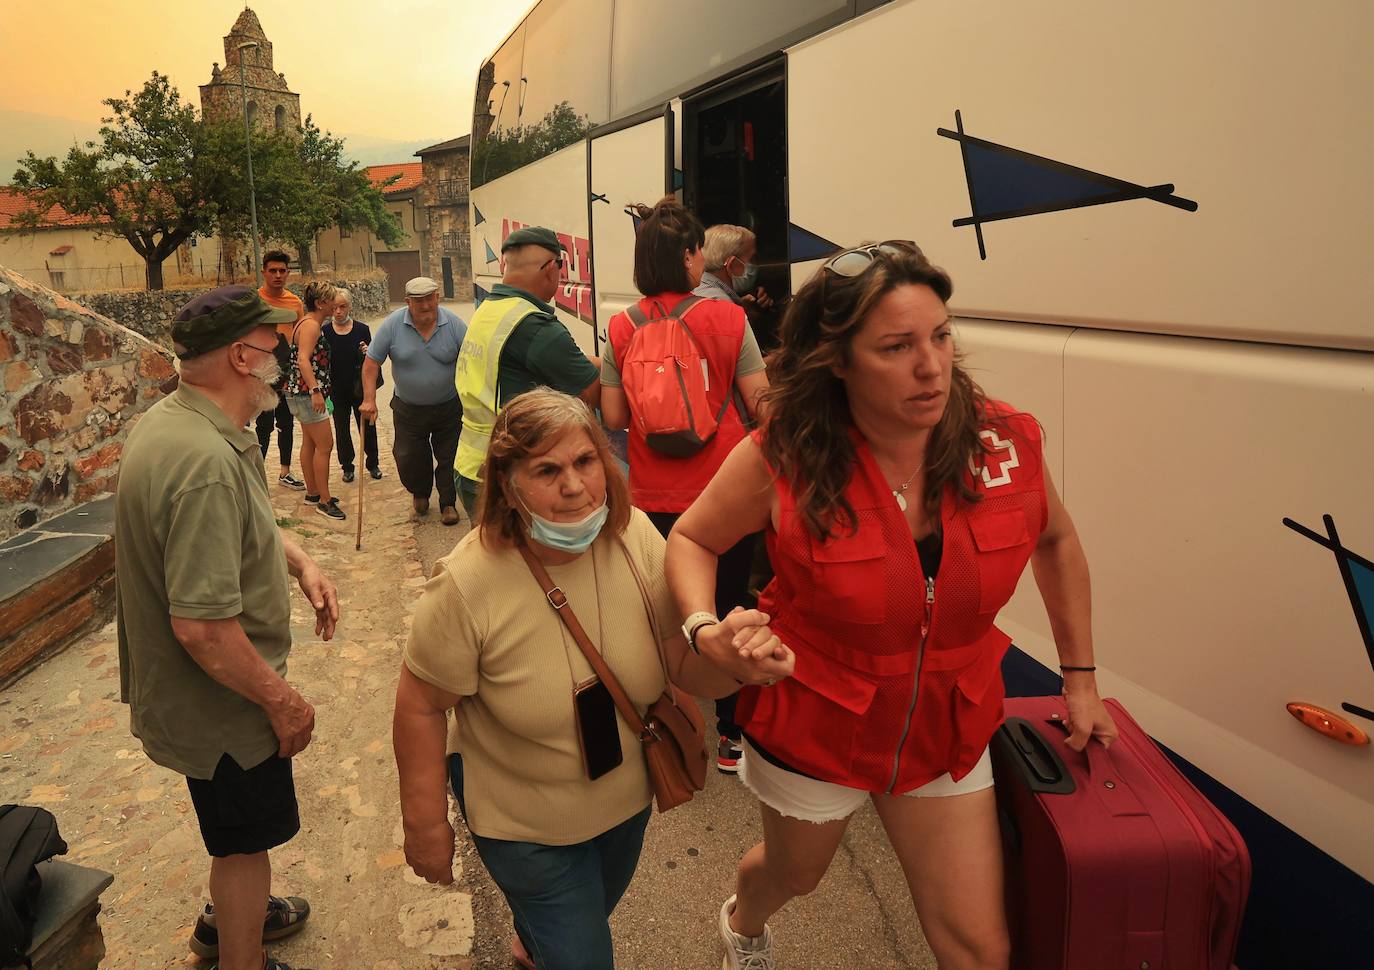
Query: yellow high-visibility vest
(479, 364)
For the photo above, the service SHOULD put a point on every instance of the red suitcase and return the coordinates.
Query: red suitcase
(1114, 861)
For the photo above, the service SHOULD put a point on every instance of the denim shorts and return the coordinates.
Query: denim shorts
(303, 411)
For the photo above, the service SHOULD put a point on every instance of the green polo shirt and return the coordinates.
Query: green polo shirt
(195, 537)
(540, 352)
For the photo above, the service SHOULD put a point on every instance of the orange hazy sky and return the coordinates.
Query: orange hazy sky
(401, 69)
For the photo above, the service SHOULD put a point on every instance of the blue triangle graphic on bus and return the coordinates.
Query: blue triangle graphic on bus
(479, 293)
(1364, 587)
(1003, 182)
(803, 244)
(491, 256)
(477, 217)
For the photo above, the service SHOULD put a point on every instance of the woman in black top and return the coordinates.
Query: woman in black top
(348, 340)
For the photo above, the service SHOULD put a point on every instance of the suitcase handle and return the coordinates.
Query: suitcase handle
(1103, 774)
(1038, 764)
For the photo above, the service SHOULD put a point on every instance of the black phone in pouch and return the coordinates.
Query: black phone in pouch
(597, 729)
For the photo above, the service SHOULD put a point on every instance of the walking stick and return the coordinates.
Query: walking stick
(358, 544)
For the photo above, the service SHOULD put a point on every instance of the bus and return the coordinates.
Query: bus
(1157, 221)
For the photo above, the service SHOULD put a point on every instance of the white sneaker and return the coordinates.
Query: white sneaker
(744, 952)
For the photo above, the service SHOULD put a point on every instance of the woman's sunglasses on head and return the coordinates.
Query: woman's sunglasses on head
(852, 262)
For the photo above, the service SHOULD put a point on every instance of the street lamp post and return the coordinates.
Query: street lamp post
(248, 147)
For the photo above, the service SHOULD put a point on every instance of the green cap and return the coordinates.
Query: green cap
(533, 236)
(218, 318)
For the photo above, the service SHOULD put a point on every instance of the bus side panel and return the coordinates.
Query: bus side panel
(628, 166)
(1256, 112)
(551, 192)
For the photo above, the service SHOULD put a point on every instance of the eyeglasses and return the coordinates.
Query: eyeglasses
(261, 350)
(853, 262)
(557, 260)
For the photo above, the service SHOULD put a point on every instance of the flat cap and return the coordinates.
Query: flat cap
(421, 286)
(533, 236)
(218, 318)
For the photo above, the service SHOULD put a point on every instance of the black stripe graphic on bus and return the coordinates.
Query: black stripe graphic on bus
(1357, 573)
(1008, 183)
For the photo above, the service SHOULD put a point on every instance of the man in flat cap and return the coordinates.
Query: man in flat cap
(204, 615)
(422, 340)
(516, 343)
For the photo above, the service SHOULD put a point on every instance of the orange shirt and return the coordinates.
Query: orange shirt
(287, 301)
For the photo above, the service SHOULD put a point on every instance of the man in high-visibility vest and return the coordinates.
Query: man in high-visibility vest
(515, 343)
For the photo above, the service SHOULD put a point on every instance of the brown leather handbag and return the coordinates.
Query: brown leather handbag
(673, 733)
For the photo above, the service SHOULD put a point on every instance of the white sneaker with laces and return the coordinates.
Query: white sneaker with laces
(744, 952)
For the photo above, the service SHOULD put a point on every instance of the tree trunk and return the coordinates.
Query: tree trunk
(153, 271)
(307, 264)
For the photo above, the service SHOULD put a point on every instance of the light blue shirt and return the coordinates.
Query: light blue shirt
(423, 370)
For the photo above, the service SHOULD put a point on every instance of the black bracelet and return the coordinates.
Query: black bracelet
(1086, 670)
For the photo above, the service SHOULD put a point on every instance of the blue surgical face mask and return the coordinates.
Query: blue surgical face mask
(574, 537)
(744, 283)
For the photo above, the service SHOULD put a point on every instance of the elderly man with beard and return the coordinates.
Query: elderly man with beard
(204, 615)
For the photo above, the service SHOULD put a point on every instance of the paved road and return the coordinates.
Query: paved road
(64, 744)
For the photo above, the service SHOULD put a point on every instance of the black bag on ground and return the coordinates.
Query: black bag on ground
(28, 836)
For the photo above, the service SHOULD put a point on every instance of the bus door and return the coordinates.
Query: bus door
(629, 161)
(735, 170)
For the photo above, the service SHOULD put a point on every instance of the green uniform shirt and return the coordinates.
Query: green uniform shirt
(195, 537)
(540, 353)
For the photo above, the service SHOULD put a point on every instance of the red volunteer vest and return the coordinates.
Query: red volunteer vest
(871, 706)
(658, 482)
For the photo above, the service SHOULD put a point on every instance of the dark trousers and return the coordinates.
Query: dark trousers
(345, 421)
(285, 423)
(562, 896)
(732, 589)
(426, 441)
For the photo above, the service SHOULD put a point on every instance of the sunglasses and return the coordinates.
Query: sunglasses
(557, 261)
(853, 262)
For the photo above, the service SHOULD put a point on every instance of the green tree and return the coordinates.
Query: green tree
(307, 186)
(505, 151)
(156, 176)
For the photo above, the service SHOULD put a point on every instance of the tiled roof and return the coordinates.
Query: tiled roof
(446, 146)
(410, 173)
(13, 202)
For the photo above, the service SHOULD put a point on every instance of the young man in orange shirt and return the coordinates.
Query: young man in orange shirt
(276, 267)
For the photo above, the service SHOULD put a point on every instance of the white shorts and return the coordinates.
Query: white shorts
(797, 796)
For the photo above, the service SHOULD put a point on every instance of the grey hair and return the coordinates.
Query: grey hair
(722, 242)
(341, 293)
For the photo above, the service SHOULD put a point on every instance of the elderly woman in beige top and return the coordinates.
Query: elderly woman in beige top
(560, 833)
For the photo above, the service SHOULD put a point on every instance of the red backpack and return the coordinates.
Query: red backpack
(665, 376)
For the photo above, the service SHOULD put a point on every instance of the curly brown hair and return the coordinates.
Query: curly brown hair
(806, 440)
(528, 425)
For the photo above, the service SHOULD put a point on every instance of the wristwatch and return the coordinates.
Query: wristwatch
(695, 622)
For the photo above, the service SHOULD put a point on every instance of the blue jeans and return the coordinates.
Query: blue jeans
(562, 895)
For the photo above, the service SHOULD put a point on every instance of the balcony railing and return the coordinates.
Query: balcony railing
(451, 192)
(456, 243)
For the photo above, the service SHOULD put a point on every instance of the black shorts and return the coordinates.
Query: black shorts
(244, 812)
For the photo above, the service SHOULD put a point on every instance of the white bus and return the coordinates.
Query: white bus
(1156, 217)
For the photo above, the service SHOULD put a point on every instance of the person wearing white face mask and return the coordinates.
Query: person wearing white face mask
(731, 273)
(552, 783)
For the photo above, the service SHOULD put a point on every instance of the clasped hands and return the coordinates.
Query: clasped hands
(743, 645)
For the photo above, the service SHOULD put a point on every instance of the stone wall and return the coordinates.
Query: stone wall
(151, 313)
(74, 385)
(444, 194)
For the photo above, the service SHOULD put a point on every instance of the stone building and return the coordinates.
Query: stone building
(445, 240)
(342, 249)
(271, 104)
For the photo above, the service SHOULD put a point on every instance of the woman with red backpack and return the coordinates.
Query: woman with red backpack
(683, 374)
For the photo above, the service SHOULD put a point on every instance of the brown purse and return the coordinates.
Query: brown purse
(673, 733)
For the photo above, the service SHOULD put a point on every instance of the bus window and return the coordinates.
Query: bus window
(545, 88)
(495, 140)
(708, 39)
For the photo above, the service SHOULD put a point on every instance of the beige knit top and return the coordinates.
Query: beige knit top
(483, 630)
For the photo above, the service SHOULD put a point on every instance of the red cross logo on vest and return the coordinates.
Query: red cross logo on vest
(1001, 454)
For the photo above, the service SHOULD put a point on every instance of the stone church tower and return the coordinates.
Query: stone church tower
(271, 104)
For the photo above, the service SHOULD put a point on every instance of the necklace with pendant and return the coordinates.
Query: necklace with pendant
(897, 492)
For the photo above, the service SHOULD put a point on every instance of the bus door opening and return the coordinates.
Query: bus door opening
(735, 171)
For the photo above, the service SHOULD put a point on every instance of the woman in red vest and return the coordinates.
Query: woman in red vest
(669, 263)
(901, 507)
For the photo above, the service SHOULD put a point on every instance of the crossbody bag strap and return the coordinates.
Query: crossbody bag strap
(648, 606)
(559, 601)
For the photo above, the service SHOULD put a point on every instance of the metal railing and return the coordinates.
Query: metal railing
(451, 192)
(456, 243)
